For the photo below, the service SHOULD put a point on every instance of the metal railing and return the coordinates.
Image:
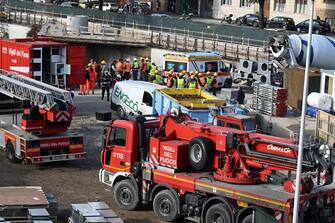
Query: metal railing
(138, 34)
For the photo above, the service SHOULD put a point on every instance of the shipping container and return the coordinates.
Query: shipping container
(45, 60)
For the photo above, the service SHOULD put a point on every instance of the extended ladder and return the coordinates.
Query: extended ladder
(25, 88)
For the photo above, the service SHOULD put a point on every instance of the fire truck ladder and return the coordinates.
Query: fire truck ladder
(25, 88)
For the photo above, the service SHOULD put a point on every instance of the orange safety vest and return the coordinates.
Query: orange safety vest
(128, 67)
(119, 67)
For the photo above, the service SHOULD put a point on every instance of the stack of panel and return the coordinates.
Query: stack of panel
(97, 212)
(270, 100)
(38, 215)
(2, 220)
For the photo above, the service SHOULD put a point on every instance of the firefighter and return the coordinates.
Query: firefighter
(127, 70)
(152, 72)
(158, 78)
(92, 79)
(181, 80)
(193, 82)
(105, 84)
(211, 83)
(136, 67)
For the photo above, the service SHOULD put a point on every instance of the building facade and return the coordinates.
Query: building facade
(297, 9)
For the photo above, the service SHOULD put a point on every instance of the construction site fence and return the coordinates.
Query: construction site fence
(218, 32)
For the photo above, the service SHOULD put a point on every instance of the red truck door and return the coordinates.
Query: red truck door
(76, 57)
(116, 150)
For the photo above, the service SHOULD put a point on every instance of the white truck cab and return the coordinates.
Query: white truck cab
(133, 97)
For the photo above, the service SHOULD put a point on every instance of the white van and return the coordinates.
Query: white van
(133, 97)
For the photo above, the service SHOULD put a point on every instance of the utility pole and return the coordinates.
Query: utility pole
(302, 123)
(100, 4)
(199, 8)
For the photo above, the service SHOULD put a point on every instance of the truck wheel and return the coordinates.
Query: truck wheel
(125, 195)
(120, 112)
(227, 84)
(200, 153)
(165, 206)
(247, 219)
(218, 213)
(10, 152)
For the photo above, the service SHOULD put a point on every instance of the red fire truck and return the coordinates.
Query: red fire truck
(45, 60)
(42, 135)
(213, 174)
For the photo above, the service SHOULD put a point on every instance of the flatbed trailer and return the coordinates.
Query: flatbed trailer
(21, 146)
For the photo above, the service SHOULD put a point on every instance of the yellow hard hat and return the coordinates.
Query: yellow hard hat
(183, 72)
(216, 74)
(201, 74)
(208, 73)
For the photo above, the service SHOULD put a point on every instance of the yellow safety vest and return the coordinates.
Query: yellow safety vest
(153, 70)
(180, 82)
(193, 84)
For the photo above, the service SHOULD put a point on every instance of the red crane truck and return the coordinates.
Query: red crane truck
(42, 135)
(213, 174)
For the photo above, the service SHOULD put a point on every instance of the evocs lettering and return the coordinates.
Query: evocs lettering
(126, 100)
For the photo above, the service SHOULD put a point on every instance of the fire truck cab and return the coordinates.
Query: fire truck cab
(157, 161)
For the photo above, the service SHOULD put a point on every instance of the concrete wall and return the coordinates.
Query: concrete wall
(17, 31)
(110, 53)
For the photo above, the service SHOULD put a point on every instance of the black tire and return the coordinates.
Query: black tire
(285, 27)
(125, 195)
(10, 153)
(218, 213)
(267, 26)
(120, 112)
(298, 30)
(227, 84)
(200, 153)
(247, 219)
(238, 22)
(255, 24)
(166, 206)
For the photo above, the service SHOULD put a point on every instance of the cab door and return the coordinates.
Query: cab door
(116, 150)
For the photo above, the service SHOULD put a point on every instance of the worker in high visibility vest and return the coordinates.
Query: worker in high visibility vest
(158, 78)
(127, 70)
(148, 65)
(152, 72)
(212, 83)
(91, 81)
(136, 67)
(181, 80)
(172, 80)
(193, 83)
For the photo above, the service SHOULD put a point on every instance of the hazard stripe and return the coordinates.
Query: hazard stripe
(223, 190)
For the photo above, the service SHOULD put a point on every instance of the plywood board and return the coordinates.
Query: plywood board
(22, 197)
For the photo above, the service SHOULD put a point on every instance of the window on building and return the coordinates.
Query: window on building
(245, 3)
(301, 6)
(279, 5)
(226, 2)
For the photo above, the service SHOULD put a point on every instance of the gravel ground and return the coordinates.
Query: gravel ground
(77, 181)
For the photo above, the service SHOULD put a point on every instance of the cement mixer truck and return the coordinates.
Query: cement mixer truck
(293, 50)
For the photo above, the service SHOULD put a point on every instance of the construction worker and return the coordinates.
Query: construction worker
(119, 67)
(202, 79)
(211, 83)
(158, 78)
(147, 67)
(172, 81)
(92, 63)
(193, 82)
(92, 79)
(83, 87)
(127, 70)
(105, 84)
(135, 68)
(181, 80)
(152, 72)
(143, 68)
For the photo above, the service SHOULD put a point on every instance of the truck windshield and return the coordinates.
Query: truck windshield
(249, 125)
(211, 66)
(175, 66)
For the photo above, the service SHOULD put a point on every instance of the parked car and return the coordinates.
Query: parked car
(319, 26)
(285, 23)
(142, 8)
(70, 4)
(249, 20)
(108, 6)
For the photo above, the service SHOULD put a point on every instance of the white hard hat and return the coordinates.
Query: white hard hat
(152, 61)
(135, 58)
(128, 59)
